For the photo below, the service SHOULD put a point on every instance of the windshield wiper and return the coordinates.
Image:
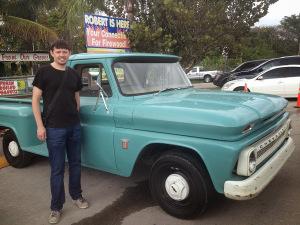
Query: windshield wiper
(171, 89)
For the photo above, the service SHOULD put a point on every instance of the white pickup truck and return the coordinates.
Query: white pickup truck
(198, 72)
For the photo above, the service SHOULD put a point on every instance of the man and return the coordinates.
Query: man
(60, 126)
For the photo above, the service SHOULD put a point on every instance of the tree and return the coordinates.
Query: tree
(67, 19)
(18, 23)
(189, 28)
(291, 25)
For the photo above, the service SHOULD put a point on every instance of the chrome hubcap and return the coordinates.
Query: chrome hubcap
(13, 149)
(177, 187)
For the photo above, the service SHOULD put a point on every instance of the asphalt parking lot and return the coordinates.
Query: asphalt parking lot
(25, 197)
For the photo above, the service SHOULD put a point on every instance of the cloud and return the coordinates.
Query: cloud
(279, 10)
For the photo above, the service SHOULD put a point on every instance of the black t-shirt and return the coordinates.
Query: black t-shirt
(64, 112)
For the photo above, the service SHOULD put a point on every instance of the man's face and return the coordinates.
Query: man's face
(60, 55)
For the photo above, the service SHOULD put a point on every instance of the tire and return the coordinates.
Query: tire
(240, 89)
(14, 155)
(207, 78)
(172, 171)
(223, 81)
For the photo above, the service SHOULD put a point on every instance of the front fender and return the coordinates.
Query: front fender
(219, 157)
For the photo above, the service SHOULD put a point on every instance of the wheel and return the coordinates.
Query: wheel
(14, 155)
(207, 78)
(240, 89)
(223, 81)
(180, 185)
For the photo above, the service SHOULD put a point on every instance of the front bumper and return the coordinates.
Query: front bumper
(252, 186)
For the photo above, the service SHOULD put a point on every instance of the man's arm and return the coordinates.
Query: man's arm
(77, 97)
(36, 97)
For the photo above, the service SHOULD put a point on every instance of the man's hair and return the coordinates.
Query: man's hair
(60, 44)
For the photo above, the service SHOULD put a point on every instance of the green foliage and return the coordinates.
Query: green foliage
(266, 42)
(291, 26)
(67, 19)
(27, 29)
(259, 43)
(157, 41)
(35, 23)
(19, 28)
(190, 28)
(218, 62)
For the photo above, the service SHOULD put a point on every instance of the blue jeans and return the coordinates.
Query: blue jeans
(62, 141)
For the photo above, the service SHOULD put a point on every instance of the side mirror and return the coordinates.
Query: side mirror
(260, 78)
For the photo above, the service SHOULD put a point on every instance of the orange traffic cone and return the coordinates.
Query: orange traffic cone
(3, 162)
(246, 88)
(298, 98)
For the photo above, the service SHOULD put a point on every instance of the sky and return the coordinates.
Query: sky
(279, 10)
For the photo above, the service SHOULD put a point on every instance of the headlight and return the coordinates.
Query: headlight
(247, 162)
(252, 163)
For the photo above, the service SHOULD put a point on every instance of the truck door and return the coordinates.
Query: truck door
(97, 123)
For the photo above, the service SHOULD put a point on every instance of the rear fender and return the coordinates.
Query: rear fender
(19, 118)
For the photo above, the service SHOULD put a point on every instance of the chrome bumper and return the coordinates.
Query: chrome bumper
(253, 185)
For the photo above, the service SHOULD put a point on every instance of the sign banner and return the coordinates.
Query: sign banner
(8, 87)
(106, 32)
(12, 87)
(24, 57)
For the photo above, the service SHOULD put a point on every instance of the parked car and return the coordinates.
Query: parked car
(222, 78)
(280, 80)
(287, 60)
(198, 72)
(146, 116)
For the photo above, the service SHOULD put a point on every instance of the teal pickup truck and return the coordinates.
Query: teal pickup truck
(140, 111)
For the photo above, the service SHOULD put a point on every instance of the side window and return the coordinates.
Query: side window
(294, 72)
(268, 65)
(247, 66)
(290, 61)
(276, 73)
(194, 69)
(89, 75)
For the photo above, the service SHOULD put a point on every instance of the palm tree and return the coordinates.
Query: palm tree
(72, 15)
(18, 20)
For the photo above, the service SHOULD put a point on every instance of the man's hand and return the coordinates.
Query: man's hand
(41, 133)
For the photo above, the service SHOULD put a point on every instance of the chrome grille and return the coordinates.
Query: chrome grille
(266, 148)
(270, 143)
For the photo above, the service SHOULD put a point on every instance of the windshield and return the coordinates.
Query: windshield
(147, 77)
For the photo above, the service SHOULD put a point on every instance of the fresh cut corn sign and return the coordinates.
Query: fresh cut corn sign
(24, 57)
(106, 33)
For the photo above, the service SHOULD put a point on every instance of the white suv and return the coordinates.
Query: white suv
(199, 73)
(279, 80)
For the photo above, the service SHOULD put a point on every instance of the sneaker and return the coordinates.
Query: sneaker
(81, 203)
(54, 217)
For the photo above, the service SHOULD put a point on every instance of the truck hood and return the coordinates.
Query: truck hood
(206, 114)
